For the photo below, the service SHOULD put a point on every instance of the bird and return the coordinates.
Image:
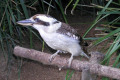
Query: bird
(58, 35)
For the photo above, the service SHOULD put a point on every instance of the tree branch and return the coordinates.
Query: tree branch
(62, 62)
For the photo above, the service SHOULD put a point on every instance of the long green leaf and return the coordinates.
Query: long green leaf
(26, 15)
(24, 8)
(96, 20)
(74, 6)
(68, 5)
(117, 60)
(107, 36)
(9, 23)
(112, 49)
(61, 9)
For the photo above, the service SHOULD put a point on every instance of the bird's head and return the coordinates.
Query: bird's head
(41, 21)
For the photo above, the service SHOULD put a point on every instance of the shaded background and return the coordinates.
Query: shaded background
(97, 21)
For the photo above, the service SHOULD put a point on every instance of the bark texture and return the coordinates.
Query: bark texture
(61, 62)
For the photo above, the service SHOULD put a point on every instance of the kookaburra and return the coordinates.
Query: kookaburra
(56, 34)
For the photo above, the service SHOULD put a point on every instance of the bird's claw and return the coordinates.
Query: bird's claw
(68, 63)
(51, 58)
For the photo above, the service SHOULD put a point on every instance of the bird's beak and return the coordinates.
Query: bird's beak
(26, 22)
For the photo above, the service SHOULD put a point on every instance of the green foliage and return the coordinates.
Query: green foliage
(15, 10)
(68, 75)
(114, 33)
(107, 11)
(12, 34)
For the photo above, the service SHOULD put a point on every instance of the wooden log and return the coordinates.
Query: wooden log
(62, 62)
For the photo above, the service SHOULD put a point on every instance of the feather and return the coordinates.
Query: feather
(71, 32)
(68, 31)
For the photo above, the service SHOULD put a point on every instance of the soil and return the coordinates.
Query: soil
(32, 70)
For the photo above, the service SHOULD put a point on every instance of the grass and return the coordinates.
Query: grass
(15, 10)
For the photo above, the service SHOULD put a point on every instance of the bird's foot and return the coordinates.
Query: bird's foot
(53, 56)
(70, 61)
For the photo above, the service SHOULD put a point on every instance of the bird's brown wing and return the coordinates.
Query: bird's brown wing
(71, 32)
(68, 31)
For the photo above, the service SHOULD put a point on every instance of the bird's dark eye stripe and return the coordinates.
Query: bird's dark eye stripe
(46, 23)
(38, 21)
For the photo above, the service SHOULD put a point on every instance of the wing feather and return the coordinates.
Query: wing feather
(68, 31)
(71, 32)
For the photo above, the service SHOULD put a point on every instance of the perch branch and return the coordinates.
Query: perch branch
(62, 62)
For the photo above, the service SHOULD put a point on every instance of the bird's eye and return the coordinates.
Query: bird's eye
(36, 19)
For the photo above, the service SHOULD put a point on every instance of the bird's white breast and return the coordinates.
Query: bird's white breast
(61, 42)
(55, 40)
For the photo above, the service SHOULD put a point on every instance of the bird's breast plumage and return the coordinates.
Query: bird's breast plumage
(57, 35)
(63, 38)
(57, 40)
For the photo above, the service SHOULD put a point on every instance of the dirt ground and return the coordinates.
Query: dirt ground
(32, 70)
